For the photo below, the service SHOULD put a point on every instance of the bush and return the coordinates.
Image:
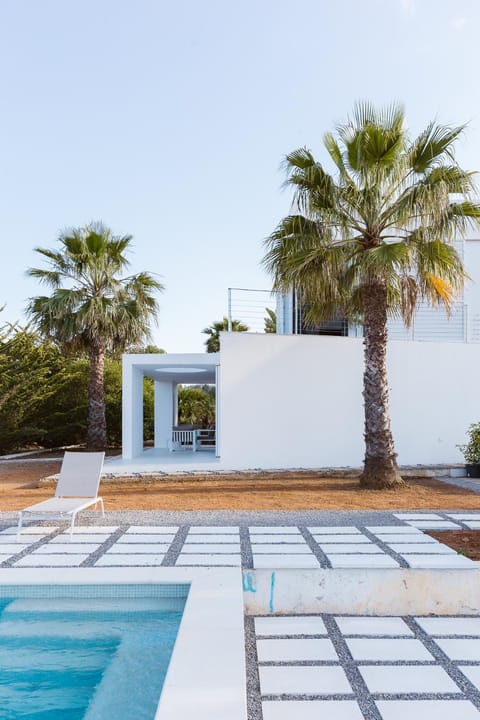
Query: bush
(471, 451)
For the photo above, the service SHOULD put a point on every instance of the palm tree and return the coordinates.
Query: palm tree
(270, 321)
(92, 308)
(213, 342)
(372, 240)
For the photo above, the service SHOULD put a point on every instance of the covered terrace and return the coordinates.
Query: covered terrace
(167, 371)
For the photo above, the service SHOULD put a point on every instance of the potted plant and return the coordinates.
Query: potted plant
(471, 451)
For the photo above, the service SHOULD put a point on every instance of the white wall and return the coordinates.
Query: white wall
(296, 401)
(472, 289)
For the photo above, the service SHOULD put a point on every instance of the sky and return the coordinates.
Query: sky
(169, 121)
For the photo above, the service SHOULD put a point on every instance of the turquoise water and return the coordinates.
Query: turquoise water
(98, 658)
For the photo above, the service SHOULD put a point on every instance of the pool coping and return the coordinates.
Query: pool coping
(206, 678)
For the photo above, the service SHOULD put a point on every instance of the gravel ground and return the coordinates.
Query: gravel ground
(235, 517)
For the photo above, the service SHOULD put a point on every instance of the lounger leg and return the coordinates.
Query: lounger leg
(71, 526)
(19, 528)
(101, 506)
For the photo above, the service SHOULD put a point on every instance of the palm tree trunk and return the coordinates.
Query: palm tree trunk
(380, 468)
(97, 426)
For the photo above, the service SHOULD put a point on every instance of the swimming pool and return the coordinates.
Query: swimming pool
(86, 652)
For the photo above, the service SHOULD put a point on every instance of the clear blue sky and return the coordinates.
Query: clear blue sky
(169, 120)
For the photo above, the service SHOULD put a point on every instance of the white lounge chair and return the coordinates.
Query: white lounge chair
(77, 489)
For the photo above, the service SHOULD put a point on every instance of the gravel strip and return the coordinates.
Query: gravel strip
(109, 541)
(33, 546)
(316, 550)
(239, 517)
(450, 667)
(254, 702)
(171, 556)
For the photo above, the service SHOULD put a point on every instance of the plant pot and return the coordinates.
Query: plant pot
(473, 471)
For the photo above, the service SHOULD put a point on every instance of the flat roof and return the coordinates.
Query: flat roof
(178, 368)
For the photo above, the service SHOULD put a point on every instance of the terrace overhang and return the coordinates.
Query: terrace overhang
(167, 371)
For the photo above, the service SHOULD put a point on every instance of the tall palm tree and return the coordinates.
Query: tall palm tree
(92, 308)
(372, 240)
(213, 341)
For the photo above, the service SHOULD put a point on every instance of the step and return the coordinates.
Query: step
(363, 591)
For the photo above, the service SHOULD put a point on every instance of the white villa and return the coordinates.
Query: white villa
(291, 400)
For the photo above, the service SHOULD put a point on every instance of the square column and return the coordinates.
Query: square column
(163, 413)
(132, 410)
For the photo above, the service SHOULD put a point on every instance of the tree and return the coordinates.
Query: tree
(92, 308)
(373, 239)
(214, 330)
(270, 321)
(196, 406)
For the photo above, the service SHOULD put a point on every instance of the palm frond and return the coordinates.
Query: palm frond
(433, 145)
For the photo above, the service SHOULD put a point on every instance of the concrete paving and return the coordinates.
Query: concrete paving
(304, 667)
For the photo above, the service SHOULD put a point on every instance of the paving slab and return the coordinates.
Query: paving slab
(434, 524)
(393, 680)
(407, 539)
(79, 540)
(278, 538)
(210, 538)
(215, 529)
(344, 539)
(12, 548)
(422, 548)
(273, 530)
(285, 561)
(112, 560)
(386, 626)
(303, 680)
(472, 672)
(334, 530)
(28, 530)
(280, 548)
(439, 626)
(417, 516)
(360, 549)
(67, 548)
(130, 539)
(438, 561)
(297, 625)
(209, 560)
(427, 710)
(397, 529)
(391, 649)
(311, 710)
(201, 548)
(152, 530)
(362, 561)
(24, 539)
(88, 529)
(137, 548)
(472, 524)
(460, 648)
(278, 650)
(51, 560)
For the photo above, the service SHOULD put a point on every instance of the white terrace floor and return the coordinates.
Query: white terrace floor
(155, 460)
(309, 667)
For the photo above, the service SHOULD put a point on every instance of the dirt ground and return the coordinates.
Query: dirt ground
(19, 487)
(466, 542)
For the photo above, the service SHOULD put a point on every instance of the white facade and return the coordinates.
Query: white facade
(296, 401)
(429, 323)
(290, 401)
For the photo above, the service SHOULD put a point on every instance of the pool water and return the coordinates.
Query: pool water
(86, 658)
